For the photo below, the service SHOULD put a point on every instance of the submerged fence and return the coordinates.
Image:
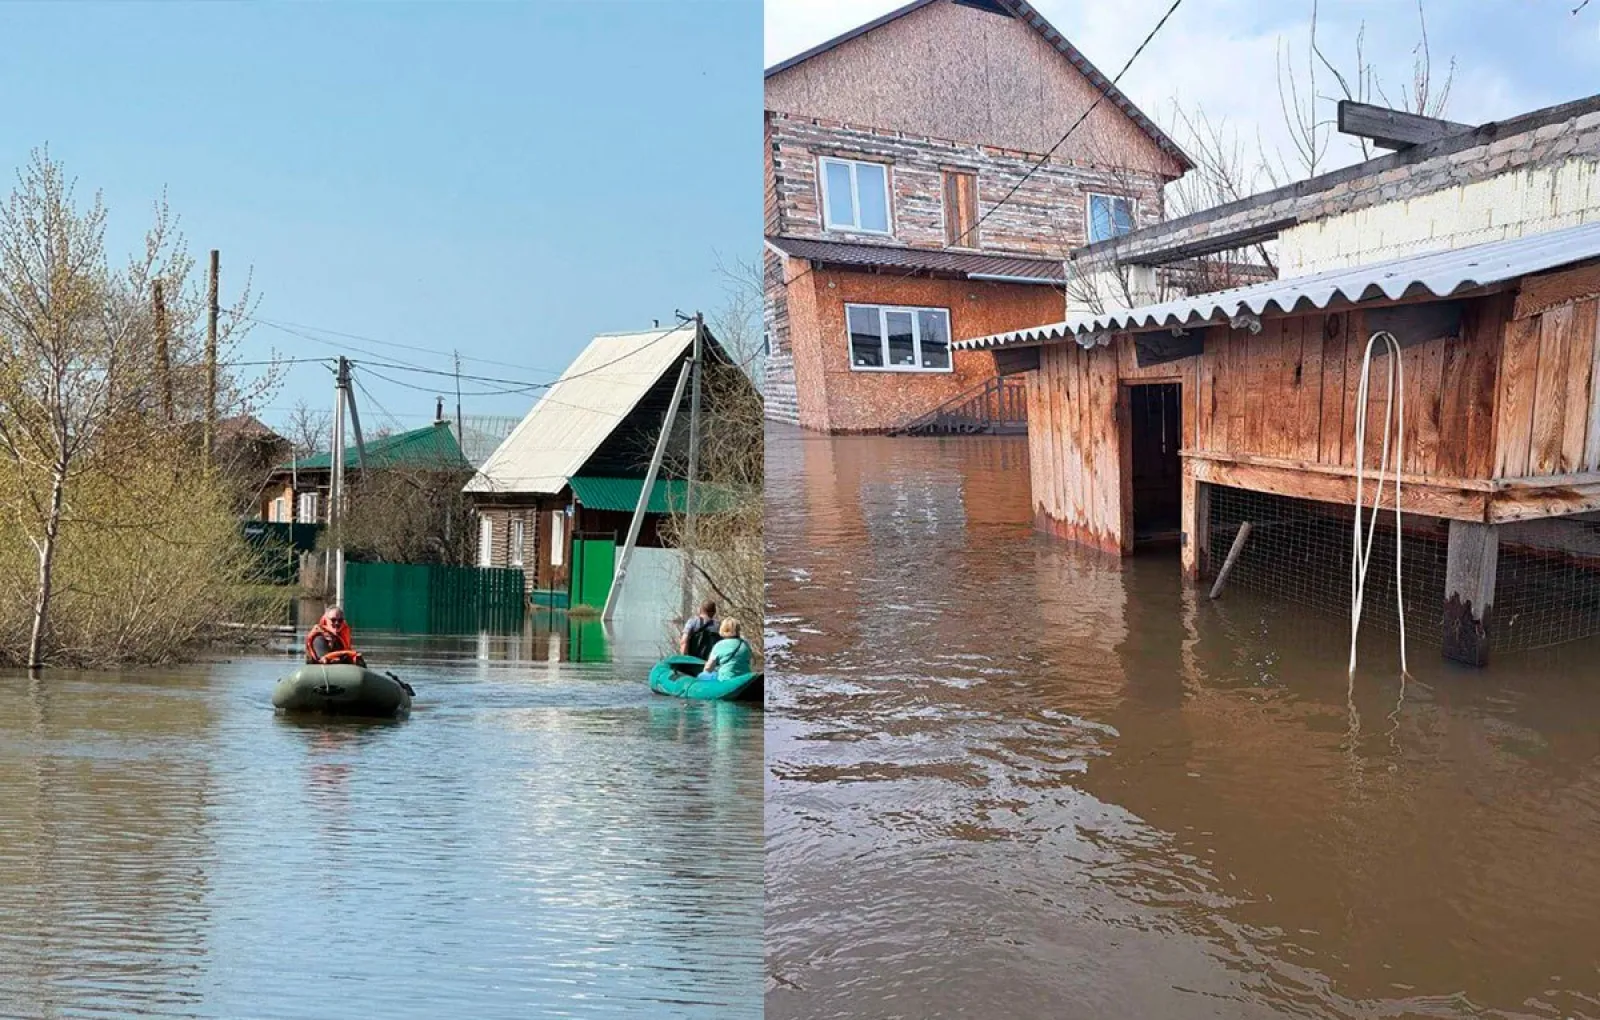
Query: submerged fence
(427, 599)
(1547, 586)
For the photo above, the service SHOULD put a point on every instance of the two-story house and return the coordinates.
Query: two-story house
(916, 195)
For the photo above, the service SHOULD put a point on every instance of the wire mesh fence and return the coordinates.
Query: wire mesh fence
(1547, 587)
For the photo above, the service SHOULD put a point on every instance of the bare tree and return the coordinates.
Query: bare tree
(308, 429)
(737, 324)
(82, 401)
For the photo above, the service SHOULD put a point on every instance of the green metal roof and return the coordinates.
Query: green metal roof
(666, 495)
(432, 448)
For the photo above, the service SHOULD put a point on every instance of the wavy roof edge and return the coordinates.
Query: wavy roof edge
(1440, 274)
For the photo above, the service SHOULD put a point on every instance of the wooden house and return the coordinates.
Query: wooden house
(564, 484)
(1145, 420)
(909, 202)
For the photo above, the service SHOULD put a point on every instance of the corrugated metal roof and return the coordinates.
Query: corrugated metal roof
(481, 435)
(576, 415)
(972, 265)
(1439, 274)
(622, 494)
(432, 448)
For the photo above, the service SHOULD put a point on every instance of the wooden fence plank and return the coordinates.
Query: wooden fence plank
(1550, 391)
(1330, 440)
(1580, 374)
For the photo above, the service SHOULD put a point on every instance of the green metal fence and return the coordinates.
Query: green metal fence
(419, 599)
(278, 547)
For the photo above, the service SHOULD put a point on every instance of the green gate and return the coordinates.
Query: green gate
(594, 564)
(427, 599)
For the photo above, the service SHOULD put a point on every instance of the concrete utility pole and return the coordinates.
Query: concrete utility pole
(211, 358)
(694, 466)
(621, 573)
(336, 493)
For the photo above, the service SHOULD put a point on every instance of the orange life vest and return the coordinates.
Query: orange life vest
(339, 639)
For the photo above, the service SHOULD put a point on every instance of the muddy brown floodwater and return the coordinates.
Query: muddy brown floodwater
(1010, 779)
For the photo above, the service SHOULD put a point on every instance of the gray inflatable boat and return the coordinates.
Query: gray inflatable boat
(341, 689)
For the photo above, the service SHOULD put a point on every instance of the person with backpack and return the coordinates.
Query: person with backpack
(730, 657)
(699, 632)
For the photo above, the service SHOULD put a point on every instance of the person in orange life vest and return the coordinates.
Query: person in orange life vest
(329, 641)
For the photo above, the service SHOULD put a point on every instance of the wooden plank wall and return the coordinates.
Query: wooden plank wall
(1549, 393)
(1289, 393)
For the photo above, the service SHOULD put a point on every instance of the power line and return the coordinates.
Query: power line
(391, 343)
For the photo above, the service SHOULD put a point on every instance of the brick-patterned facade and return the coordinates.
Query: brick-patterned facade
(821, 107)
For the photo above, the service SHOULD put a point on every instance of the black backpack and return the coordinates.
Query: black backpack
(703, 638)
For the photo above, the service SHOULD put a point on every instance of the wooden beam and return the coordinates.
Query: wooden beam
(1159, 348)
(1418, 323)
(1393, 129)
(1541, 293)
(1012, 360)
(1432, 500)
(1470, 566)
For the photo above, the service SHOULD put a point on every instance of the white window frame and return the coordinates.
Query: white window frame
(558, 538)
(1088, 215)
(855, 195)
(518, 532)
(279, 507)
(916, 339)
(308, 500)
(486, 541)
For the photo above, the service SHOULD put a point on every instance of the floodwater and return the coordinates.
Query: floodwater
(1006, 778)
(539, 839)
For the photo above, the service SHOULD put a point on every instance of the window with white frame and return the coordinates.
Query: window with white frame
(280, 508)
(889, 339)
(485, 541)
(855, 196)
(309, 507)
(516, 541)
(558, 538)
(1109, 216)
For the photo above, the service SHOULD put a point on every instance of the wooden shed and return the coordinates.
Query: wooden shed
(1141, 420)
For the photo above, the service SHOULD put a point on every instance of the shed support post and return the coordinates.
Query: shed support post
(1470, 566)
(1196, 525)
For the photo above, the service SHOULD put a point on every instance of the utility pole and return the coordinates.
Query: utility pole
(694, 466)
(621, 573)
(163, 351)
(336, 493)
(211, 358)
(461, 436)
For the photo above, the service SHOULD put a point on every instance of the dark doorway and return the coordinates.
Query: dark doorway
(1156, 419)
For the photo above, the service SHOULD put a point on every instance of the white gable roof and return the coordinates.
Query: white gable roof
(580, 410)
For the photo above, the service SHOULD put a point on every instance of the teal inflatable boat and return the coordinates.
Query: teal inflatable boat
(342, 689)
(680, 677)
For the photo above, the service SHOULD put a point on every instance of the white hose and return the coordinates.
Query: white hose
(1361, 553)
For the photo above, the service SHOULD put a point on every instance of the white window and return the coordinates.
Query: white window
(309, 507)
(280, 507)
(1109, 216)
(485, 542)
(558, 538)
(885, 339)
(516, 541)
(855, 196)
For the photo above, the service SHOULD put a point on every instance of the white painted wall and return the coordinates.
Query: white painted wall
(1511, 205)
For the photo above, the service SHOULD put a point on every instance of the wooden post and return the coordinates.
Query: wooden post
(211, 358)
(1470, 567)
(1196, 524)
(1233, 557)
(163, 352)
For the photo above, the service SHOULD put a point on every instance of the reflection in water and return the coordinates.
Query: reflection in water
(537, 839)
(1009, 778)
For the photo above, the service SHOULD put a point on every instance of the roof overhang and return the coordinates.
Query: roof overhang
(1441, 274)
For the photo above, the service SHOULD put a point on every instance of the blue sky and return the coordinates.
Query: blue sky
(502, 178)
(1222, 55)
